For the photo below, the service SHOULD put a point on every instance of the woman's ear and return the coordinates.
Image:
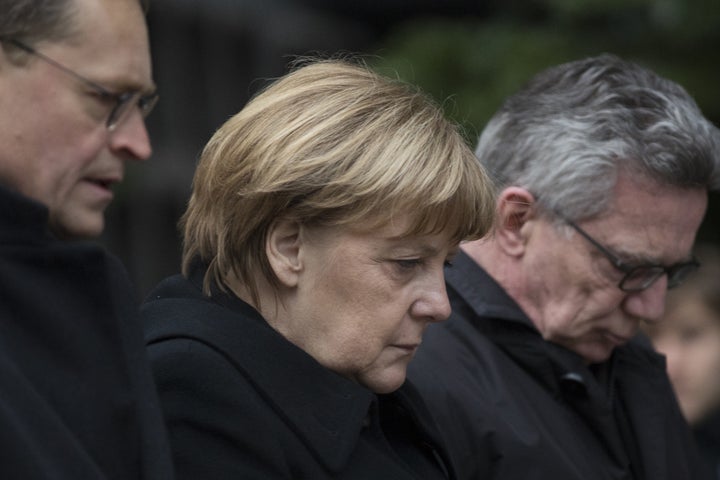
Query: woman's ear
(515, 210)
(283, 251)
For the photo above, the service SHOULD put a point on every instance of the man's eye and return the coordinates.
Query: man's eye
(104, 97)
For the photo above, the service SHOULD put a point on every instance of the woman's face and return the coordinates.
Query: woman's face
(689, 337)
(363, 299)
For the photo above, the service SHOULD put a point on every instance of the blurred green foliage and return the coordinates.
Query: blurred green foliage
(470, 66)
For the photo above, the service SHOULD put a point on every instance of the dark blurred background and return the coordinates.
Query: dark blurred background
(210, 56)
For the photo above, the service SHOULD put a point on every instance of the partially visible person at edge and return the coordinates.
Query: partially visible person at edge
(77, 397)
(689, 337)
(603, 169)
(314, 242)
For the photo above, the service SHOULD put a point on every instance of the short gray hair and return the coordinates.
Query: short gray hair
(573, 127)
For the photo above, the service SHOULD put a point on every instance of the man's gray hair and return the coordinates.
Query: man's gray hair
(569, 132)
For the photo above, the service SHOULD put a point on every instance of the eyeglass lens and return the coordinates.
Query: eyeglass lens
(641, 278)
(126, 102)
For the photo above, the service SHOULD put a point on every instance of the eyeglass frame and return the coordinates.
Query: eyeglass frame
(628, 269)
(123, 101)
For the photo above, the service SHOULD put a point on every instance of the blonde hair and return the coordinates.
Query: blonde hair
(330, 144)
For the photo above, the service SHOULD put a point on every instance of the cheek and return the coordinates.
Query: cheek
(361, 291)
(66, 146)
(62, 169)
(577, 311)
(68, 127)
(707, 363)
(369, 327)
(564, 280)
(356, 311)
(370, 322)
(53, 140)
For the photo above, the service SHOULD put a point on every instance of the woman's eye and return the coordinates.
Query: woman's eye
(408, 263)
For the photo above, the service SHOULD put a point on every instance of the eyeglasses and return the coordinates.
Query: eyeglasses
(124, 102)
(640, 277)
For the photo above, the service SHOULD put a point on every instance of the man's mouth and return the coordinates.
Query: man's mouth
(617, 340)
(104, 183)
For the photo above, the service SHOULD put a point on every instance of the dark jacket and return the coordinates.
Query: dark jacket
(707, 436)
(77, 400)
(242, 402)
(514, 407)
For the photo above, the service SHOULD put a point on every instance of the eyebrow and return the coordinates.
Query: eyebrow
(397, 244)
(118, 85)
(633, 258)
(402, 245)
(640, 259)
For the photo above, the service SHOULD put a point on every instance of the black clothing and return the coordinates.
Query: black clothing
(514, 406)
(243, 402)
(707, 437)
(77, 400)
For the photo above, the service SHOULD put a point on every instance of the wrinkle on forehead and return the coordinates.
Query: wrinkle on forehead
(652, 222)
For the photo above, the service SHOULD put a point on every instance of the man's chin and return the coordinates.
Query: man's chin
(596, 352)
(77, 227)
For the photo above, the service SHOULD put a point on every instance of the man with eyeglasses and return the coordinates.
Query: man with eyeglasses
(77, 400)
(602, 169)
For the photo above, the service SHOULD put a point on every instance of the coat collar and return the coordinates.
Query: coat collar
(498, 317)
(325, 409)
(481, 292)
(624, 385)
(23, 219)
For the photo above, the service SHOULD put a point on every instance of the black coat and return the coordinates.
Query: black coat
(514, 407)
(707, 435)
(77, 400)
(241, 402)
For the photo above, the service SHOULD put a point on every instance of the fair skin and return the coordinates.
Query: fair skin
(56, 147)
(566, 287)
(358, 302)
(689, 337)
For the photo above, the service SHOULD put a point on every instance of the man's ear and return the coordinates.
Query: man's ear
(283, 250)
(515, 209)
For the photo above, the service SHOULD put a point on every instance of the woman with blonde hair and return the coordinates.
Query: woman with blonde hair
(320, 220)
